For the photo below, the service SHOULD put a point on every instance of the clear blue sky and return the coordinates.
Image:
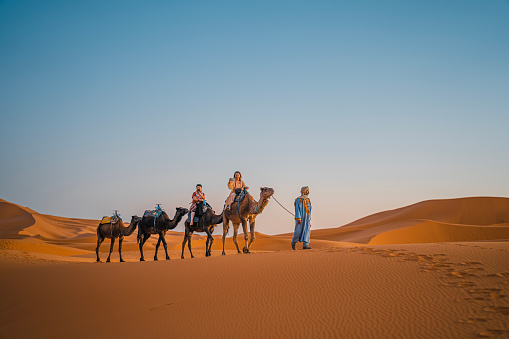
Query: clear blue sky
(374, 104)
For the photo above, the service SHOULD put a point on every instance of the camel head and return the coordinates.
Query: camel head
(135, 219)
(266, 192)
(181, 211)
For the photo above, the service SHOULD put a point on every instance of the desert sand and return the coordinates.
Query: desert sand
(435, 269)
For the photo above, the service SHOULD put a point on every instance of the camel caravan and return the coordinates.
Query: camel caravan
(240, 208)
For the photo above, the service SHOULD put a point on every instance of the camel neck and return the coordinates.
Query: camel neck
(259, 205)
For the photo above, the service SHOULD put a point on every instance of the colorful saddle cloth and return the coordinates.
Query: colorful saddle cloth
(110, 220)
(153, 213)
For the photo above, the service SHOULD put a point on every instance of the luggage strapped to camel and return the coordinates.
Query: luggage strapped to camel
(154, 214)
(111, 220)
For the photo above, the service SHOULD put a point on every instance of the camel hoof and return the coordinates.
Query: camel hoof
(223, 253)
(182, 257)
(141, 259)
(155, 259)
(167, 258)
(108, 260)
(122, 260)
(192, 256)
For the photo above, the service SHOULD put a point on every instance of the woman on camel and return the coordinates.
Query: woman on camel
(236, 185)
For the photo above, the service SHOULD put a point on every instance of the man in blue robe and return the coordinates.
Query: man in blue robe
(302, 219)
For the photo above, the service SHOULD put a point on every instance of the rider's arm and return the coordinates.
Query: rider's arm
(231, 183)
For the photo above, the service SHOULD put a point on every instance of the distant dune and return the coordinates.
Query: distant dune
(448, 220)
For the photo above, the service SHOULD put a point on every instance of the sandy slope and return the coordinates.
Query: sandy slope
(448, 290)
(463, 219)
(436, 269)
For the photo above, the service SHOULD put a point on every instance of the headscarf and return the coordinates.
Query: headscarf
(302, 190)
(304, 199)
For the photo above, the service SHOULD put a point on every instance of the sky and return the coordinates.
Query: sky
(374, 105)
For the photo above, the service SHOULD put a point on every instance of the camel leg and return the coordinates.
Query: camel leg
(225, 230)
(252, 231)
(120, 248)
(99, 242)
(235, 232)
(189, 243)
(111, 249)
(246, 235)
(184, 244)
(145, 237)
(161, 236)
(208, 244)
(157, 248)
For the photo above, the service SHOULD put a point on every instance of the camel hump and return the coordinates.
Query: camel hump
(153, 213)
(110, 220)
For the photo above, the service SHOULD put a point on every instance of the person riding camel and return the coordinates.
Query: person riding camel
(198, 197)
(236, 185)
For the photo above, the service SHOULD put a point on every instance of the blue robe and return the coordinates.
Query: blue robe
(303, 230)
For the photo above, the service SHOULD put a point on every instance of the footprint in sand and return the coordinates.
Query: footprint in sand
(473, 320)
(498, 309)
(471, 263)
(492, 333)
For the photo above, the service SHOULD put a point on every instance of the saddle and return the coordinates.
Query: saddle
(195, 220)
(111, 220)
(153, 213)
(200, 211)
(240, 195)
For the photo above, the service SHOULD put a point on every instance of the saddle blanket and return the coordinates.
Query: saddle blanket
(196, 219)
(239, 197)
(110, 220)
(152, 213)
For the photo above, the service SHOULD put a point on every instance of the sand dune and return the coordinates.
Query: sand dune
(13, 219)
(449, 220)
(427, 231)
(448, 290)
(436, 269)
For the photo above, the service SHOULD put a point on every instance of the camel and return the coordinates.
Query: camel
(115, 230)
(247, 211)
(162, 225)
(206, 224)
